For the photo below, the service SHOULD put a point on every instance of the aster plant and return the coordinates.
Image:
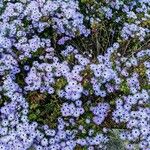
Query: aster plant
(74, 75)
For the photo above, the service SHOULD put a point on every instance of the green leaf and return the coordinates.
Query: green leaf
(32, 117)
(115, 142)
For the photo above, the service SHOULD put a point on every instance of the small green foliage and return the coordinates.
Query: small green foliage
(141, 70)
(124, 87)
(84, 1)
(80, 148)
(35, 56)
(87, 86)
(3, 99)
(70, 58)
(31, 148)
(112, 102)
(20, 79)
(60, 83)
(87, 74)
(44, 108)
(32, 117)
(115, 142)
(25, 23)
(147, 86)
(146, 23)
(38, 53)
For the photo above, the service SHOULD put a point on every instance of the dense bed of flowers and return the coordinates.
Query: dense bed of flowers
(71, 72)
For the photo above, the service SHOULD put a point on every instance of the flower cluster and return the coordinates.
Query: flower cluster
(100, 112)
(71, 110)
(131, 16)
(8, 63)
(22, 25)
(44, 76)
(133, 30)
(93, 91)
(137, 120)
